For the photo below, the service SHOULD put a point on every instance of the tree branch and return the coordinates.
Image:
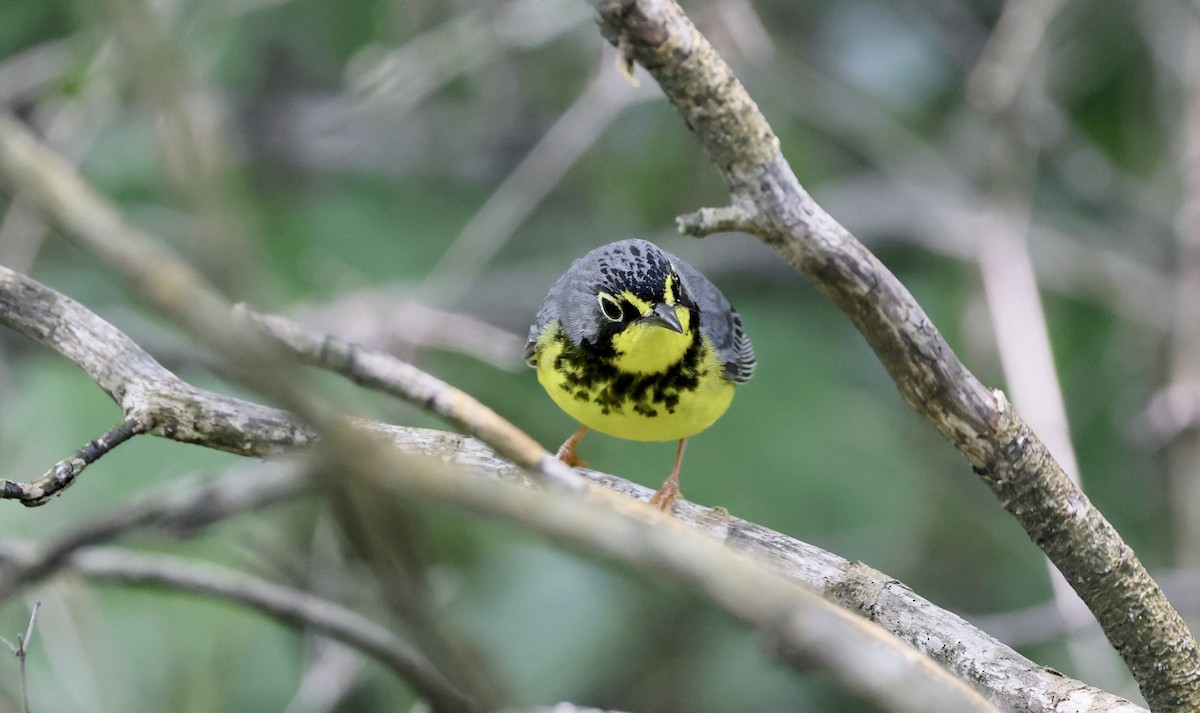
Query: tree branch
(945, 637)
(147, 393)
(895, 676)
(805, 628)
(1136, 617)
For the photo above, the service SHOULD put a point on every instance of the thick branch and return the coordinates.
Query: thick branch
(963, 649)
(1137, 618)
(146, 392)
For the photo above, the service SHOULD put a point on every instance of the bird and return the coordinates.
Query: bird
(635, 343)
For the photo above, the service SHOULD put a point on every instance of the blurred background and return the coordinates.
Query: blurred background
(416, 174)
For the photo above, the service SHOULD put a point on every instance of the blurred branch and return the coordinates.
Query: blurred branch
(1010, 52)
(1170, 413)
(330, 676)
(942, 635)
(913, 173)
(403, 78)
(1156, 645)
(1000, 87)
(946, 225)
(32, 70)
(178, 507)
(290, 606)
(389, 538)
(68, 123)
(542, 169)
(394, 323)
(1044, 623)
(1184, 343)
(196, 154)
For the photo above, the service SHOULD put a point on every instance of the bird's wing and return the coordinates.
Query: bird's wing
(548, 312)
(721, 322)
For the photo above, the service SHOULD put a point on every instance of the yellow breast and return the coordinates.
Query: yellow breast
(659, 386)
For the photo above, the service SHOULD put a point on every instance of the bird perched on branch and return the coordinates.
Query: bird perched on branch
(635, 343)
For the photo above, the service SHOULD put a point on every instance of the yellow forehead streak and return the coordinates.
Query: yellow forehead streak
(669, 290)
(643, 307)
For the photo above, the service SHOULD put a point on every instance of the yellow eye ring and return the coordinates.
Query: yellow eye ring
(610, 307)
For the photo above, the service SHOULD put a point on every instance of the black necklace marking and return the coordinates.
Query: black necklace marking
(589, 374)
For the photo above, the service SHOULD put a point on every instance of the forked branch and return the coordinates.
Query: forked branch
(1146, 630)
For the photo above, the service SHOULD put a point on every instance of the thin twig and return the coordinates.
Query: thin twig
(21, 651)
(378, 370)
(63, 474)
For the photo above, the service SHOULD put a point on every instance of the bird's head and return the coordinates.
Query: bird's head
(640, 313)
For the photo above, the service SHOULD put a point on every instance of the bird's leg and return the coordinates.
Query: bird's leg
(666, 496)
(566, 452)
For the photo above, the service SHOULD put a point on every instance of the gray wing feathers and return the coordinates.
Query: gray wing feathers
(722, 323)
(543, 317)
(548, 312)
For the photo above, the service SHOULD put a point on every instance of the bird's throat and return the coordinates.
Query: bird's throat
(650, 349)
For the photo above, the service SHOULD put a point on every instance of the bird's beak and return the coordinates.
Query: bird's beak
(664, 316)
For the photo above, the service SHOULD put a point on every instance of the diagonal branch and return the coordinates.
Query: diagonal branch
(1137, 618)
(804, 628)
(963, 649)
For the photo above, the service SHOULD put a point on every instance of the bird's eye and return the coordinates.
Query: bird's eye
(610, 307)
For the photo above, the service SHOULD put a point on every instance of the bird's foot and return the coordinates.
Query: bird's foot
(566, 453)
(666, 496)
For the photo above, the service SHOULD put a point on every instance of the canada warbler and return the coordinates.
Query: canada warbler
(635, 343)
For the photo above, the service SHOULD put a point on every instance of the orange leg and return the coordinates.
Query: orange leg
(566, 452)
(666, 496)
